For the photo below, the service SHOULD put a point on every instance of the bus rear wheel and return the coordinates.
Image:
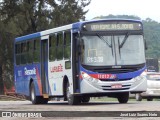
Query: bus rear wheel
(72, 99)
(123, 97)
(36, 99)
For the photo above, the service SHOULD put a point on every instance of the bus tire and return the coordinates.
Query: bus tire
(85, 99)
(72, 99)
(123, 97)
(34, 99)
(138, 97)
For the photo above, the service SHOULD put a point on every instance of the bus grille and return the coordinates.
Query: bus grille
(122, 70)
(124, 87)
(111, 80)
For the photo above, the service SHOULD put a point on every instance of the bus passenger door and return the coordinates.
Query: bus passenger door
(44, 67)
(75, 63)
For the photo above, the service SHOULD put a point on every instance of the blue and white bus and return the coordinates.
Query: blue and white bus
(81, 60)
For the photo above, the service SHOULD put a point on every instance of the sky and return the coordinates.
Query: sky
(141, 8)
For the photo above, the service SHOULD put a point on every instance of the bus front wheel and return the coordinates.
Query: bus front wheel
(72, 99)
(123, 97)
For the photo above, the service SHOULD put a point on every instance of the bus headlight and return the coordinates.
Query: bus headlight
(89, 78)
(86, 77)
(140, 78)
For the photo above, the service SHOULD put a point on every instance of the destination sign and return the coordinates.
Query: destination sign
(110, 26)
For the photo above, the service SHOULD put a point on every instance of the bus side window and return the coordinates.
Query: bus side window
(36, 52)
(67, 45)
(30, 51)
(59, 46)
(18, 54)
(52, 47)
(23, 53)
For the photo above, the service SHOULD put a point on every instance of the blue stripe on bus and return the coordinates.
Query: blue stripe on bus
(30, 36)
(120, 76)
(77, 25)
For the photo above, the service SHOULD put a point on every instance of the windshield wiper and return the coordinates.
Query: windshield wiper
(106, 41)
(124, 40)
(119, 47)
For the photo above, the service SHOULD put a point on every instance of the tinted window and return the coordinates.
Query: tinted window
(52, 47)
(67, 45)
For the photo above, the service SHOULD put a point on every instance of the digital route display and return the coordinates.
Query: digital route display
(111, 26)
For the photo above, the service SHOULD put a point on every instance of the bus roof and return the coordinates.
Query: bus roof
(75, 27)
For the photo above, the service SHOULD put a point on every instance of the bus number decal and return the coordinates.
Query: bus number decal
(94, 59)
(58, 68)
(106, 76)
(103, 76)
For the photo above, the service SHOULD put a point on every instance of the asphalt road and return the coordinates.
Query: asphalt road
(93, 110)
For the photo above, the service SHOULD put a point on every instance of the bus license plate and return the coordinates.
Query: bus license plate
(115, 86)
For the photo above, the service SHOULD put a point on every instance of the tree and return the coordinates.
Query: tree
(35, 15)
(21, 17)
(67, 11)
(6, 60)
(152, 33)
(27, 15)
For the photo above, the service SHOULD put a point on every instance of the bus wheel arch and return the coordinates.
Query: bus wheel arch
(72, 99)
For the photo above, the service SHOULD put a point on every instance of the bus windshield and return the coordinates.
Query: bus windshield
(110, 50)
